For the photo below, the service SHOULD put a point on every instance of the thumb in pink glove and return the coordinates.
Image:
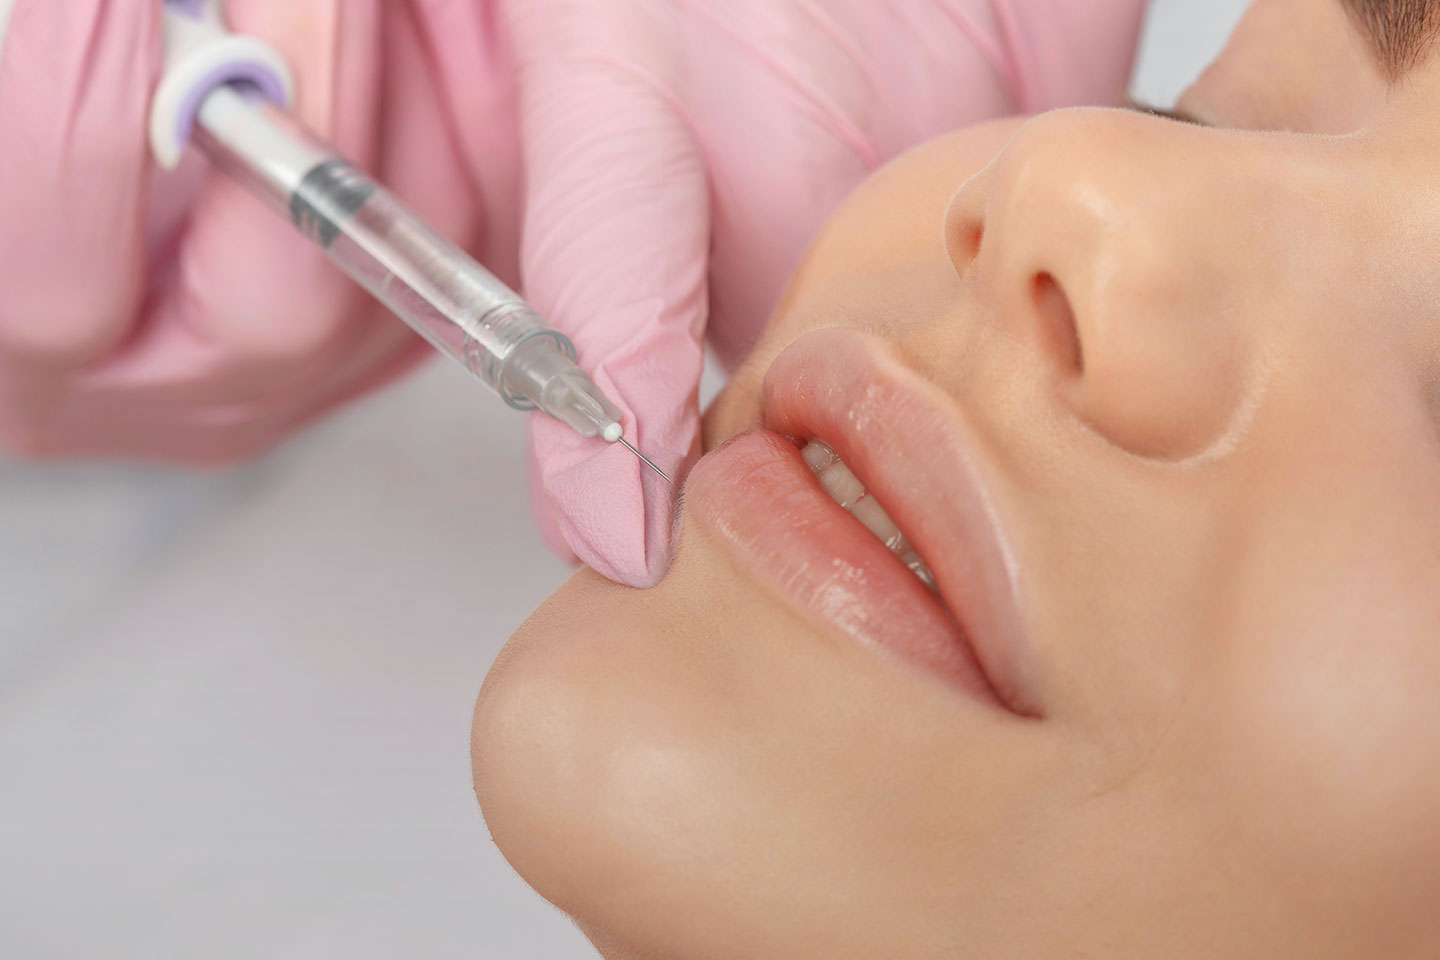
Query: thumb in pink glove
(681, 154)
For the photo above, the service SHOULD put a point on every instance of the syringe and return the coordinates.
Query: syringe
(461, 308)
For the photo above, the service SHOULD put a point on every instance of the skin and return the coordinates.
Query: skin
(1214, 448)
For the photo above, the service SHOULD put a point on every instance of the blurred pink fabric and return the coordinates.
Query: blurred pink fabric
(651, 169)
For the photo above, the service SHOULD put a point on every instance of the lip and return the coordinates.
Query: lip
(903, 439)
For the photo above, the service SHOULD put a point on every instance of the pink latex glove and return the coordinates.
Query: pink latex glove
(681, 154)
(173, 317)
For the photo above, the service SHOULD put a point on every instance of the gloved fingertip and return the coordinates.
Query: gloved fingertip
(614, 512)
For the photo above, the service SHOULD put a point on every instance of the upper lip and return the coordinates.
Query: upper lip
(908, 444)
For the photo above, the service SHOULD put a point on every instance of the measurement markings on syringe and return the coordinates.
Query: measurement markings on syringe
(330, 194)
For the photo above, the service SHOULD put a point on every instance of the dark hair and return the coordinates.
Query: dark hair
(1400, 31)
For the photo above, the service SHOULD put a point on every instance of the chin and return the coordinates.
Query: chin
(595, 751)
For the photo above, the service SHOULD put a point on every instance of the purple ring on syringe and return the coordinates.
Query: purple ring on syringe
(251, 78)
(190, 8)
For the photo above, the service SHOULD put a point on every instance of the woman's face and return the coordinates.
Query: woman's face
(1159, 407)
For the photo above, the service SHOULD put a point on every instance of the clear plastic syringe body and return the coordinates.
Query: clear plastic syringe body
(461, 308)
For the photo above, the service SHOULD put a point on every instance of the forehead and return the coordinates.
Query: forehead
(1401, 33)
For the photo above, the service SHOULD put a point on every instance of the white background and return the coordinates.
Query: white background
(234, 707)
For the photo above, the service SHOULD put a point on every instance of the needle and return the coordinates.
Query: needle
(648, 463)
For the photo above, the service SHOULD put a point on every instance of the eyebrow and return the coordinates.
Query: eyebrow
(1400, 32)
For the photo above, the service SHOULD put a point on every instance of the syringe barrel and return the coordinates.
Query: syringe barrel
(465, 311)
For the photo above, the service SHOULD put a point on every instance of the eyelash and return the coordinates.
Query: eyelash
(1150, 110)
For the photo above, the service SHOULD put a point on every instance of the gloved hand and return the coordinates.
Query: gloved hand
(171, 316)
(680, 155)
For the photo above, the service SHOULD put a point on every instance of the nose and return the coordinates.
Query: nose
(1102, 239)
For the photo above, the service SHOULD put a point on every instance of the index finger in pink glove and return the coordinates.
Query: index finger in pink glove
(616, 237)
(75, 82)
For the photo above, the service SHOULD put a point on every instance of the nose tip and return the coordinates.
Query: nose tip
(1097, 239)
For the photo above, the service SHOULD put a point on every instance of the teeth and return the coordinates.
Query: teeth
(844, 487)
(847, 490)
(878, 522)
(918, 567)
(819, 456)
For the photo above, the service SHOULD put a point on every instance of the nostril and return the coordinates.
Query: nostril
(963, 235)
(973, 237)
(1058, 334)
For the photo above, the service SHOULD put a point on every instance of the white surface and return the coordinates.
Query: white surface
(1181, 38)
(6, 8)
(234, 707)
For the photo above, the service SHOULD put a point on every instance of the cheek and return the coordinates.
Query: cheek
(1323, 756)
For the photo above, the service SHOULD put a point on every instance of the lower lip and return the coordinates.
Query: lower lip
(758, 496)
